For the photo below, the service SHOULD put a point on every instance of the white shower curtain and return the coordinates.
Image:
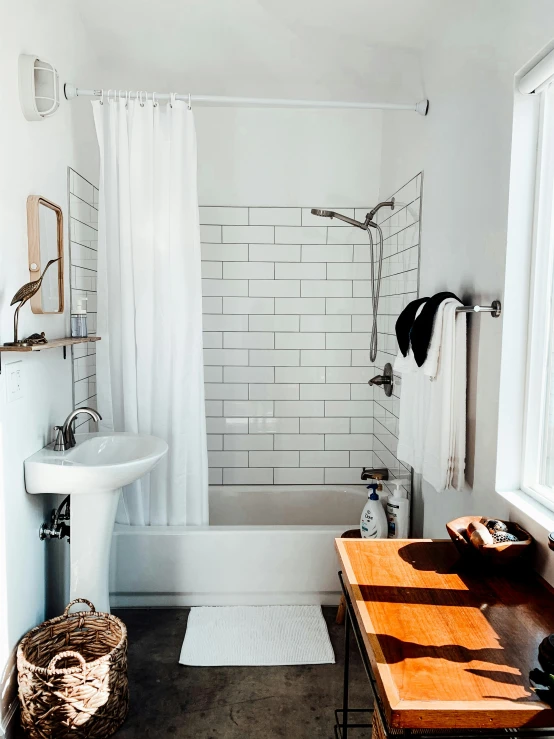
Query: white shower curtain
(149, 361)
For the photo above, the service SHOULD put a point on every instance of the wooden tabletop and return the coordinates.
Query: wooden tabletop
(448, 649)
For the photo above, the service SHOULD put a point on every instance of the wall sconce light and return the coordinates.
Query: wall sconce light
(39, 87)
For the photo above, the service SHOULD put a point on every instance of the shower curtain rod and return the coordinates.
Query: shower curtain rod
(71, 92)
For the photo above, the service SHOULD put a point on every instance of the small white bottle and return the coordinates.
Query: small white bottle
(373, 523)
(398, 512)
(79, 320)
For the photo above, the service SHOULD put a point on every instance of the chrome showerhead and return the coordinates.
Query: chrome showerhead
(368, 219)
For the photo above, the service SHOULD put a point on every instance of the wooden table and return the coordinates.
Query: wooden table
(444, 648)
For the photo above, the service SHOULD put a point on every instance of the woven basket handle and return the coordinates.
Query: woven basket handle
(78, 600)
(61, 655)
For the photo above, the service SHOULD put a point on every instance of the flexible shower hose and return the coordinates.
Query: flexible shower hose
(375, 288)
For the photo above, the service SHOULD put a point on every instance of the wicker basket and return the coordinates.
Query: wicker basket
(378, 730)
(61, 699)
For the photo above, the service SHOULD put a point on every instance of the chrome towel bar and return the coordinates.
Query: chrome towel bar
(495, 309)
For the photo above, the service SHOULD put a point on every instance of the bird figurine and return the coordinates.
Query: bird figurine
(24, 294)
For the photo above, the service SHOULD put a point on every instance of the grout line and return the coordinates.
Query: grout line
(86, 246)
(83, 178)
(78, 220)
(91, 205)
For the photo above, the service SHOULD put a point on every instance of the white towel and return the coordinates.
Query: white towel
(444, 454)
(431, 364)
(413, 401)
(432, 424)
(460, 404)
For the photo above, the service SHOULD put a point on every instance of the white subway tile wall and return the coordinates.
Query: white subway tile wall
(83, 246)
(400, 285)
(287, 321)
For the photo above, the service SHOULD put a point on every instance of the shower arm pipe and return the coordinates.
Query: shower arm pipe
(352, 221)
(71, 92)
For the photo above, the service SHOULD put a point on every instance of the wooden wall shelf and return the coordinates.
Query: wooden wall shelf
(52, 344)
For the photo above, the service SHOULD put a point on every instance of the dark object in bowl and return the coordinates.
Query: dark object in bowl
(501, 537)
(497, 555)
(546, 654)
(496, 525)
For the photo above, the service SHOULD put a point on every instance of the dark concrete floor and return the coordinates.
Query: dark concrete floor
(169, 699)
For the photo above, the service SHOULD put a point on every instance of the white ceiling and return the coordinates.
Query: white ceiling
(345, 49)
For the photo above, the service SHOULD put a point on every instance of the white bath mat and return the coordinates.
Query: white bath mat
(256, 635)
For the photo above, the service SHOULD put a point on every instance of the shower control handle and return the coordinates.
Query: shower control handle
(386, 380)
(380, 380)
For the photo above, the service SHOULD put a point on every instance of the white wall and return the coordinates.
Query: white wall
(34, 157)
(255, 157)
(464, 149)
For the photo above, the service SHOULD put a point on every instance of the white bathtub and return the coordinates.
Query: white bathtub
(265, 545)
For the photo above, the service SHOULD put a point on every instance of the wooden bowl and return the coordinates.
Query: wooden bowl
(497, 555)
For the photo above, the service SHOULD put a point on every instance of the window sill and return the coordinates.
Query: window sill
(542, 516)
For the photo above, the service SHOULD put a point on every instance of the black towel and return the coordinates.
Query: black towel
(404, 324)
(422, 329)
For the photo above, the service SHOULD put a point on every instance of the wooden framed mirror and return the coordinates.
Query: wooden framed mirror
(45, 237)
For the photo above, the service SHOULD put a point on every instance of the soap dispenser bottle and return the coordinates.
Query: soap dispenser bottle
(398, 512)
(79, 319)
(373, 523)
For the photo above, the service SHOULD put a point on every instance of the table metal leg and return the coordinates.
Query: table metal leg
(343, 714)
(346, 676)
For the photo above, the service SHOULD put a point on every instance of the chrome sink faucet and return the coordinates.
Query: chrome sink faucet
(65, 438)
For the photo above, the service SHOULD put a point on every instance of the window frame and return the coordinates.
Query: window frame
(541, 307)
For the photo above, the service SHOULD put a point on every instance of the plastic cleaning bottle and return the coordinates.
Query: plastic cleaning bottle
(398, 512)
(79, 320)
(373, 523)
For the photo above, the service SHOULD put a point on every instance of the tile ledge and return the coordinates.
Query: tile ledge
(542, 515)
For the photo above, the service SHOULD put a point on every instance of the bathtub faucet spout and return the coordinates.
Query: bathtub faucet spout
(380, 473)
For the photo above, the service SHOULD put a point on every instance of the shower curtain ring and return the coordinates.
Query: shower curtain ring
(155, 104)
(108, 96)
(142, 92)
(172, 99)
(190, 105)
(102, 97)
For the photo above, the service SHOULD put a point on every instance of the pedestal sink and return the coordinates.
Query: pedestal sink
(93, 473)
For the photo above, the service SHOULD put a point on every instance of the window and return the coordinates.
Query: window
(538, 452)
